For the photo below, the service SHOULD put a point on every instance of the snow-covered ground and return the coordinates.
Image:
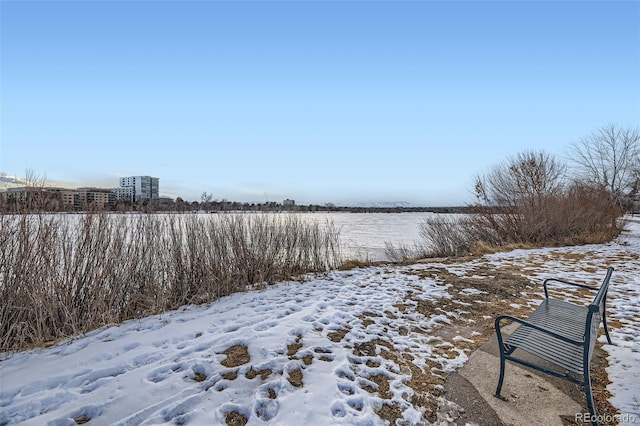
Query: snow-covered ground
(353, 347)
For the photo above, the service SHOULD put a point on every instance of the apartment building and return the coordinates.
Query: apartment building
(133, 188)
(68, 198)
(138, 188)
(94, 197)
(38, 198)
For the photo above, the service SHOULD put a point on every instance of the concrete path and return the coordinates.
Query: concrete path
(533, 398)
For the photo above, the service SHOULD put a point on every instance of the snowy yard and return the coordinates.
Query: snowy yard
(366, 346)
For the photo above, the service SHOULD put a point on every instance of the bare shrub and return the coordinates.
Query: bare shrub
(583, 215)
(445, 236)
(402, 253)
(527, 202)
(519, 190)
(64, 275)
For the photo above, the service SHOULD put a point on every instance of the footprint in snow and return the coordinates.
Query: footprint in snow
(357, 403)
(160, 374)
(308, 318)
(266, 406)
(347, 388)
(338, 409)
(265, 325)
(146, 359)
(130, 346)
(104, 375)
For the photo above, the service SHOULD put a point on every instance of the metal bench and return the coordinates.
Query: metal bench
(561, 333)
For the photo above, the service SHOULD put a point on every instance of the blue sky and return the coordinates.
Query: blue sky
(320, 101)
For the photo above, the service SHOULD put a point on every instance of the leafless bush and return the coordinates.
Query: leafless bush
(580, 214)
(64, 275)
(403, 253)
(527, 201)
(446, 236)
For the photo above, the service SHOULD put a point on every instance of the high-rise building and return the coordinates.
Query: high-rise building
(138, 188)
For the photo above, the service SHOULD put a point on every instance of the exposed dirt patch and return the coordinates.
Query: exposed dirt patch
(370, 348)
(252, 374)
(272, 394)
(83, 419)
(383, 386)
(293, 348)
(390, 412)
(401, 307)
(364, 317)
(199, 377)
(614, 323)
(230, 375)
(337, 336)
(237, 355)
(372, 364)
(424, 382)
(390, 315)
(235, 419)
(325, 359)
(367, 322)
(307, 359)
(497, 294)
(295, 378)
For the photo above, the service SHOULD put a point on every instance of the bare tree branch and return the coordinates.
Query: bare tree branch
(609, 158)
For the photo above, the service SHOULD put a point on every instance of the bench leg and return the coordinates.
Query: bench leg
(500, 379)
(606, 329)
(589, 396)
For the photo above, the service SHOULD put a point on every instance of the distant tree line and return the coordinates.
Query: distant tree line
(36, 196)
(272, 206)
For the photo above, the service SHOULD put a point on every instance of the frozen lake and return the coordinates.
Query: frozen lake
(363, 235)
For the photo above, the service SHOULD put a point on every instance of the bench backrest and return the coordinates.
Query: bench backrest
(596, 312)
(601, 297)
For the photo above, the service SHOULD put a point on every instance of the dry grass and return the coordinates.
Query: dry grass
(61, 275)
(349, 264)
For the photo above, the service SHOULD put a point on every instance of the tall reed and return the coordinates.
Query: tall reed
(61, 275)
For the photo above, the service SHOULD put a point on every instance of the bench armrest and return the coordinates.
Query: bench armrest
(526, 323)
(546, 293)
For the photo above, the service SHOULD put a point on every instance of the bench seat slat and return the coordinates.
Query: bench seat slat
(563, 318)
(542, 345)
